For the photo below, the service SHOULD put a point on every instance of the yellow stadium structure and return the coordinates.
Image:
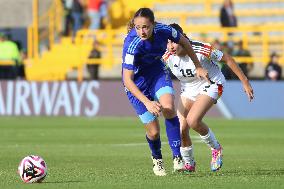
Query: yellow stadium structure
(261, 28)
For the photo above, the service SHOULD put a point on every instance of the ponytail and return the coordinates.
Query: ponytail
(130, 25)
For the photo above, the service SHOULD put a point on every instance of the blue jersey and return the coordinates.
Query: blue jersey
(144, 56)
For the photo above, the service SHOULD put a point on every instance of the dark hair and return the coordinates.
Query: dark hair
(179, 29)
(142, 12)
(274, 54)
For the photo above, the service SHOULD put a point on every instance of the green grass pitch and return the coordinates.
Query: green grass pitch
(112, 153)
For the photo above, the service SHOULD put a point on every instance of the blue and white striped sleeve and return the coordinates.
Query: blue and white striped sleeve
(129, 56)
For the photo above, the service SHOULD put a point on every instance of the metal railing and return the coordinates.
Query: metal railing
(262, 36)
(7, 63)
(44, 28)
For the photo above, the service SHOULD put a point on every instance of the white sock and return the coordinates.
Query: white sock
(210, 140)
(187, 154)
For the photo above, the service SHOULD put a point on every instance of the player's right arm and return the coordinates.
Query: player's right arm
(152, 106)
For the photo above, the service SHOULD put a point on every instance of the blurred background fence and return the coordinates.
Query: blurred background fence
(55, 51)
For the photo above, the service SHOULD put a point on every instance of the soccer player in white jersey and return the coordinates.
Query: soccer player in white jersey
(198, 96)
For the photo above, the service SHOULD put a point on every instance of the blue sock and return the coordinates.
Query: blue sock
(155, 146)
(173, 133)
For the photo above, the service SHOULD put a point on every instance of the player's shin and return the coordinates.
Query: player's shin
(173, 133)
(210, 140)
(155, 147)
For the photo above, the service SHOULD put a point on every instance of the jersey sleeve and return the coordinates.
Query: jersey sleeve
(131, 51)
(128, 61)
(216, 55)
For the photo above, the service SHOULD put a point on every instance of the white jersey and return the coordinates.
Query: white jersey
(184, 69)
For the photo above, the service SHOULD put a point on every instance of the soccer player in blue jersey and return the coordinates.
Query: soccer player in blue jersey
(148, 85)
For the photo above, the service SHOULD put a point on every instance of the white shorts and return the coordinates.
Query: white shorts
(213, 90)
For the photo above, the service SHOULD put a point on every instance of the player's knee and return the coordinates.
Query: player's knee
(193, 123)
(169, 112)
(153, 135)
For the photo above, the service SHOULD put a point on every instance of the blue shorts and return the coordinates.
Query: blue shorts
(161, 85)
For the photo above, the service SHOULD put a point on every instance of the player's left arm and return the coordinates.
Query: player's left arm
(237, 70)
(200, 71)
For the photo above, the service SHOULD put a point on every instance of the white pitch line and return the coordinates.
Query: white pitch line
(144, 143)
(224, 109)
(195, 139)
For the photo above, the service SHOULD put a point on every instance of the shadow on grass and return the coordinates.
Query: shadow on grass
(62, 181)
(256, 172)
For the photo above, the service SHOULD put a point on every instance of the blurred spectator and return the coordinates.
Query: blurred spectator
(94, 68)
(93, 7)
(240, 51)
(227, 15)
(21, 66)
(8, 52)
(273, 70)
(68, 4)
(105, 18)
(77, 11)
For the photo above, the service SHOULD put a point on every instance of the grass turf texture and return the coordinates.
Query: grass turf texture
(112, 153)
